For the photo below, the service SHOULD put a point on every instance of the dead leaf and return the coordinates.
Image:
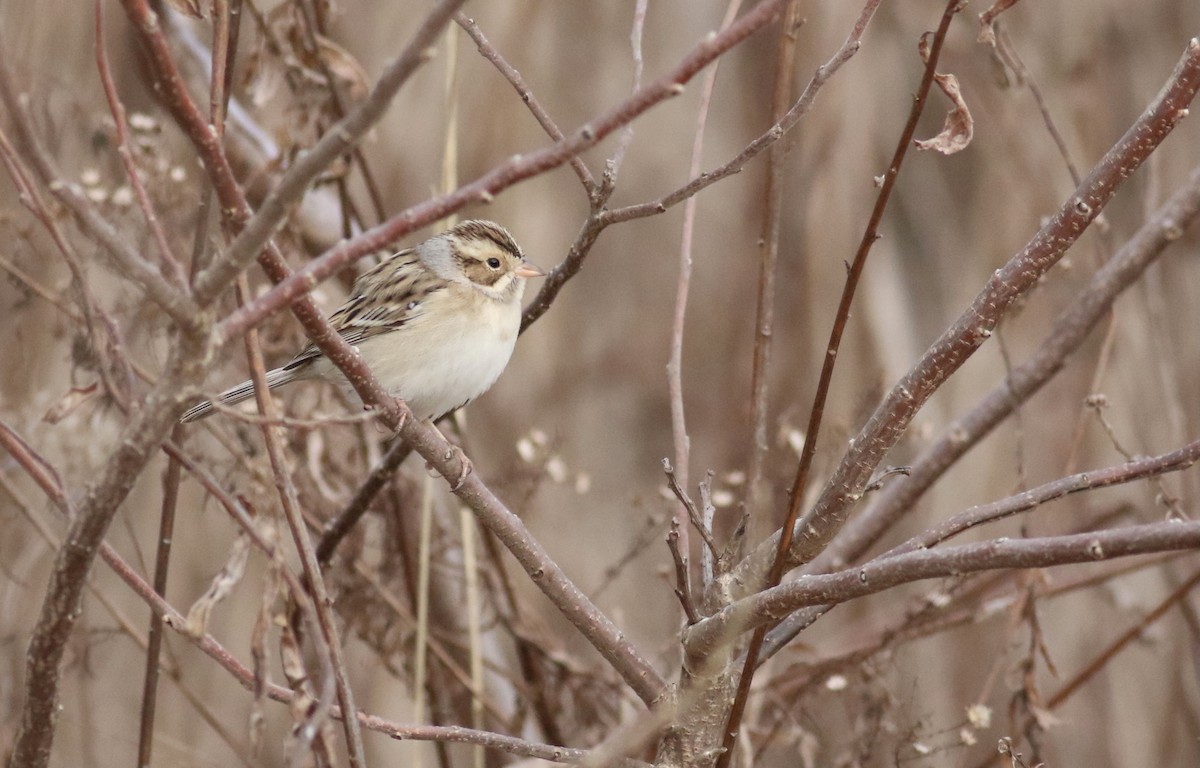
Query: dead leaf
(959, 127)
(75, 397)
(188, 8)
(987, 20)
(220, 588)
(344, 67)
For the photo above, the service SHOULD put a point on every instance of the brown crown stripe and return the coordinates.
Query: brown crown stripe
(485, 230)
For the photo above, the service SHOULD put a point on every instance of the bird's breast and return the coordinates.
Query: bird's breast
(448, 356)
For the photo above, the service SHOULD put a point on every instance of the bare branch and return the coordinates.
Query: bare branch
(1064, 338)
(982, 514)
(683, 586)
(523, 90)
(975, 325)
(765, 608)
(679, 434)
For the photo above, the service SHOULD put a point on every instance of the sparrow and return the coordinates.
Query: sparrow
(435, 323)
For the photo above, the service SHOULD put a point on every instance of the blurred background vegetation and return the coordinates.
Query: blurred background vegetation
(573, 435)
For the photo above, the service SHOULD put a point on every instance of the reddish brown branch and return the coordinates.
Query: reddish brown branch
(162, 561)
(1089, 671)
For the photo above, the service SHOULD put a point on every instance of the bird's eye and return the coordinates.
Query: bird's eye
(494, 263)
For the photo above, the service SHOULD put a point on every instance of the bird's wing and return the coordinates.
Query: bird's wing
(385, 298)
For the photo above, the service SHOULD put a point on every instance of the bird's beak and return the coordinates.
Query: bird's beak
(529, 269)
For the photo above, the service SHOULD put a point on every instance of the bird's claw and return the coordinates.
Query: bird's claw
(465, 467)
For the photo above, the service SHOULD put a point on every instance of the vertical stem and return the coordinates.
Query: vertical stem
(474, 631)
(423, 554)
(758, 501)
(675, 364)
(162, 560)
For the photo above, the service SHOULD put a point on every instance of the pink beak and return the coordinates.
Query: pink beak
(528, 269)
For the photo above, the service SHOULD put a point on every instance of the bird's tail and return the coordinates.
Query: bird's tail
(275, 378)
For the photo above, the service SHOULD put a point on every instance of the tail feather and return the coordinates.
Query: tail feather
(243, 391)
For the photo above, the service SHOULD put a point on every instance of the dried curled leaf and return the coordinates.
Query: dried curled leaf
(987, 20)
(65, 405)
(272, 588)
(959, 127)
(351, 76)
(220, 588)
(193, 8)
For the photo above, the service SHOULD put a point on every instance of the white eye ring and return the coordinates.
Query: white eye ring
(494, 263)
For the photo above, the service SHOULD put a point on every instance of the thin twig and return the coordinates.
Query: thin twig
(679, 434)
(612, 168)
(1137, 630)
(162, 559)
(337, 528)
(689, 506)
(756, 517)
(510, 73)
(170, 267)
(1131, 471)
(683, 587)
